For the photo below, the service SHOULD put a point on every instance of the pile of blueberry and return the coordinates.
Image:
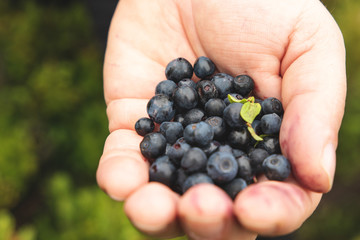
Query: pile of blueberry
(212, 131)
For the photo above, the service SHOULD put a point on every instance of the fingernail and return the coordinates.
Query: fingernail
(329, 162)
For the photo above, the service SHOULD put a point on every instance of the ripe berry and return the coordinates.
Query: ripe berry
(222, 167)
(276, 167)
(153, 145)
(243, 84)
(223, 83)
(185, 97)
(160, 108)
(199, 134)
(204, 67)
(144, 126)
(194, 160)
(206, 90)
(162, 170)
(232, 117)
(219, 126)
(194, 179)
(171, 131)
(234, 187)
(165, 87)
(270, 124)
(178, 69)
(214, 107)
(272, 105)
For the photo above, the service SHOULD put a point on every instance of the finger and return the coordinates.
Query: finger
(153, 210)
(206, 212)
(122, 168)
(273, 208)
(313, 94)
(123, 113)
(136, 55)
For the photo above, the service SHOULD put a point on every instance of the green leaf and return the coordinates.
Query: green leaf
(249, 111)
(253, 134)
(235, 100)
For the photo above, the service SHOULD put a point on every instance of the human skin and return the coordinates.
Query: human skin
(292, 49)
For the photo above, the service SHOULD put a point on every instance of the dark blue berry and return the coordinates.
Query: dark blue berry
(225, 148)
(257, 157)
(199, 134)
(272, 105)
(162, 170)
(144, 126)
(179, 118)
(232, 117)
(203, 67)
(256, 125)
(214, 107)
(219, 126)
(245, 170)
(160, 108)
(178, 69)
(165, 87)
(222, 167)
(185, 97)
(270, 144)
(270, 124)
(194, 160)
(171, 131)
(194, 179)
(206, 90)
(234, 187)
(223, 83)
(153, 145)
(187, 82)
(177, 151)
(237, 152)
(239, 138)
(194, 115)
(180, 177)
(276, 167)
(243, 84)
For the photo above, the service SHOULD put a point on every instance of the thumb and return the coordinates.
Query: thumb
(313, 93)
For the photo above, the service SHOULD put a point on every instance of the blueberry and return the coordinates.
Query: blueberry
(206, 90)
(187, 82)
(160, 108)
(178, 69)
(276, 167)
(194, 160)
(194, 115)
(177, 150)
(232, 117)
(225, 148)
(243, 84)
(219, 126)
(214, 107)
(272, 105)
(270, 144)
(222, 167)
(180, 177)
(153, 145)
(245, 170)
(235, 95)
(144, 126)
(212, 147)
(162, 170)
(194, 179)
(256, 125)
(270, 124)
(237, 152)
(203, 67)
(223, 83)
(185, 97)
(198, 134)
(171, 131)
(234, 187)
(165, 87)
(239, 138)
(257, 157)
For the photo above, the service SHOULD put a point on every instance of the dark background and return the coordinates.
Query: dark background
(53, 126)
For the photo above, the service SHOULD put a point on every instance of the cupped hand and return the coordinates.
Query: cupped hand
(292, 49)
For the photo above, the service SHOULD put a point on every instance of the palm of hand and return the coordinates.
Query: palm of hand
(289, 55)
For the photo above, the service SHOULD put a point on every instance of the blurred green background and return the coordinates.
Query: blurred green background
(53, 126)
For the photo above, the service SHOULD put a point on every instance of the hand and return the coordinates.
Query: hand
(292, 49)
